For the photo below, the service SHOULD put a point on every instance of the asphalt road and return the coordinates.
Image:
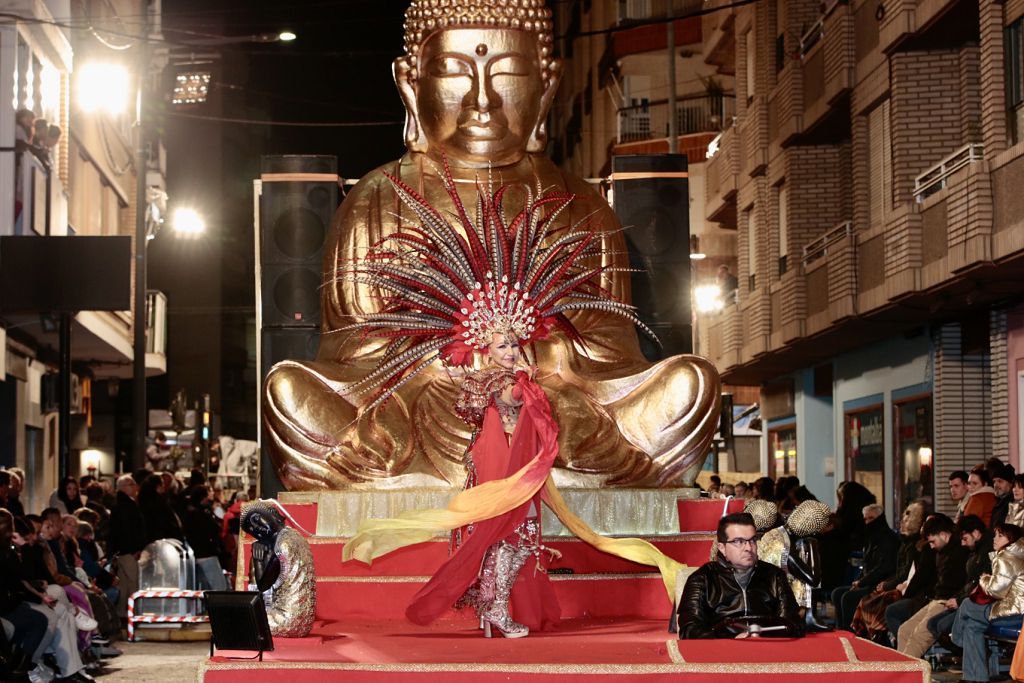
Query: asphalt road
(155, 662)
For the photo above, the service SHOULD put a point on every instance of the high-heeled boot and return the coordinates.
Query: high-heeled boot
(509, 560)
(480, 595)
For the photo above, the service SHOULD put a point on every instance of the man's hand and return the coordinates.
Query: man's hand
(880, 586)
(49, 601)
(855, 584)
(951, 603)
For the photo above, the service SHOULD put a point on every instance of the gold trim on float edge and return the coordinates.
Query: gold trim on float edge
(744, 668)
(424, 579)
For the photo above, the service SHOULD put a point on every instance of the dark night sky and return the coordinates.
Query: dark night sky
(338, 70)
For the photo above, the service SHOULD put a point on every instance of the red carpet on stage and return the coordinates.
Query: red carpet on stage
(635, 650)
(615, 620)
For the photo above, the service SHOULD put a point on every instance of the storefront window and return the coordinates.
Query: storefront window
(913, 448)
(782, 451)
(865, 449)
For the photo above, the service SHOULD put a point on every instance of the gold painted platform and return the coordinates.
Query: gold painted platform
(611, 512)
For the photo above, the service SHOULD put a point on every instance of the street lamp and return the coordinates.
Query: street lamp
(286, 36)
(188, 222)
(708, 298)
(108, 87)
(103, 86)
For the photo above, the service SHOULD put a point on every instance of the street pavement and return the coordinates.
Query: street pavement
(155, 662)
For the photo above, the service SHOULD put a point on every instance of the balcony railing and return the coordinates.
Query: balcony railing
(812, 35)
(41, 205)
(698, 114)
(819, 247)
(934, 179)
(632, 11)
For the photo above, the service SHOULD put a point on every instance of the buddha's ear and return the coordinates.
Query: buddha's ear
(539, 138)
(402, 70)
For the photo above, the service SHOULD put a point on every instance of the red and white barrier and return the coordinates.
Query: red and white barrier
(159, 619)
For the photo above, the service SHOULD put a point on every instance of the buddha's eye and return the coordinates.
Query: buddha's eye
(443, 67)
(511, 65)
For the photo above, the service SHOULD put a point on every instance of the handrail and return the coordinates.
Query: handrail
(815, 33)
(934, 179)
(819, 247)
(706, 113)
(647, 104)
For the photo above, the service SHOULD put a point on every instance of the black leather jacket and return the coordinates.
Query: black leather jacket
(712, 595)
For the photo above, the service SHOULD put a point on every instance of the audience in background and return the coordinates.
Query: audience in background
(981, 497)
(997, 601)
(1002, 484)
(881, 550)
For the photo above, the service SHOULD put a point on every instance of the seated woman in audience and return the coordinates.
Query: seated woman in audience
(998, 601)
(1016, 514)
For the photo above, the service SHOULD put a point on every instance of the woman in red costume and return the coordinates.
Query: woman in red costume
(483, 291)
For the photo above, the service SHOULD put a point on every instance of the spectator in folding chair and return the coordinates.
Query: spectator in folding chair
(913, 638)
(997, 601)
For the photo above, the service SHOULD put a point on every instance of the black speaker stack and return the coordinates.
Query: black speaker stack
(652, 201)
(298, 197)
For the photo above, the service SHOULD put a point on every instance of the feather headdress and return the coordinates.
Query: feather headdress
(446, 290)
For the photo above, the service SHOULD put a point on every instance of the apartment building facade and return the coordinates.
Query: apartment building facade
(872, 178)
(614, 98)
(86, 187)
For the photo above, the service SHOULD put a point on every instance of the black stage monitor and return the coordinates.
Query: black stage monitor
(65, 274)
(238, 620)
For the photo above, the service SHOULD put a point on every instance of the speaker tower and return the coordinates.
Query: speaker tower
(651, 195)
(298, 195)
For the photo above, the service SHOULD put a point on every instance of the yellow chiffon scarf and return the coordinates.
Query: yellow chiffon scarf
(377, 537)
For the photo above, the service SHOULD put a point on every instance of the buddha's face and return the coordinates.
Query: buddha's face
(479, 97)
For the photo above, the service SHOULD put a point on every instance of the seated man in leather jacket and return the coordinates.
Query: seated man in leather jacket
(725, 596)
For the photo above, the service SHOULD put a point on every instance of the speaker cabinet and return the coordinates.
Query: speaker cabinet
(287, 343)
(298, 199)
(653, 204)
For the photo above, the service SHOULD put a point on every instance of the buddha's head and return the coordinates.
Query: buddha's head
(477, 79)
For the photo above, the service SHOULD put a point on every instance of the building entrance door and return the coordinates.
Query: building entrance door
(865, 448)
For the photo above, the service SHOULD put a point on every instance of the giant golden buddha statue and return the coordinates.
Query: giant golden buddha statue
(478, 79)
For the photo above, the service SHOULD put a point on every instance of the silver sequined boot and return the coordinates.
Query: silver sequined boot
(509, 559)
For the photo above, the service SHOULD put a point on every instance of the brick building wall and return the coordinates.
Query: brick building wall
(926, 114)
(961, 405)
(998, 351)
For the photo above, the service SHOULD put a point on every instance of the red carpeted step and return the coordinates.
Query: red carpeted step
(303, 513)
(592, 595)
(425, 558)
(702, 515)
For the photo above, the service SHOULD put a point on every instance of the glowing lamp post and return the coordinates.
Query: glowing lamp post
(187, 222)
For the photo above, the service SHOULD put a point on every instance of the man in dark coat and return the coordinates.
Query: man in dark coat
(1002, 483)
(736, 587)
(913, 638)
(881, 547)
(127, 539)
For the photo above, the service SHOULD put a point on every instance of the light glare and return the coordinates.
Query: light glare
(103, 87)
(286, 36)
(188, 222)
(708, 298)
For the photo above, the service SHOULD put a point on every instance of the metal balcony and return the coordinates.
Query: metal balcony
(694, 114)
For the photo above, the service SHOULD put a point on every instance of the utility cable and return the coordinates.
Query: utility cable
(307, 124)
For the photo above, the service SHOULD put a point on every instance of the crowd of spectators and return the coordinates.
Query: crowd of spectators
(935, 581)
(67, 572)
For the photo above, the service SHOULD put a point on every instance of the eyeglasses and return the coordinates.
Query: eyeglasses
(740, 542)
